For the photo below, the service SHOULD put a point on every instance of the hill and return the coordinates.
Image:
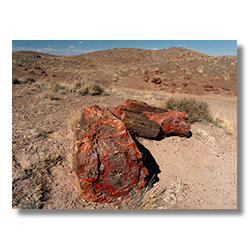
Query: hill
(180, 70)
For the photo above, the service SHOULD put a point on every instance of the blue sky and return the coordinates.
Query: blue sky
(75, 47)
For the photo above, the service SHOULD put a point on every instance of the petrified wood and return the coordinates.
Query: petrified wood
(151, 122)
(106, 160)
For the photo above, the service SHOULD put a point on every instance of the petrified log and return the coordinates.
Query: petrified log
(210, 88)
(106, 160)
(151, 122)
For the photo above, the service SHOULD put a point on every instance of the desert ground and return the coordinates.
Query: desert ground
(199, 172)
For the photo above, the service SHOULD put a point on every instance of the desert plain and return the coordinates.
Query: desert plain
(199, 172)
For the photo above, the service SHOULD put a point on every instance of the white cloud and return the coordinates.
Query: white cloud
(99, 44)
(222, 49)
(48, 45)
(71, 47)
(80, 42)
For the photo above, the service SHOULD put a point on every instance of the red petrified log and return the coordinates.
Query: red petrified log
(106, 159)
(209, 88)
(156, 80)
(151, 122)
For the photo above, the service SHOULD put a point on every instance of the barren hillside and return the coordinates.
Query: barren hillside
(181, 70)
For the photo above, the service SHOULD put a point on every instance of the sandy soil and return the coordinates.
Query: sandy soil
(199, 172)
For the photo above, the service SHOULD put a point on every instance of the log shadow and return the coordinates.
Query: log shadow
(149, 163)
(188, 135)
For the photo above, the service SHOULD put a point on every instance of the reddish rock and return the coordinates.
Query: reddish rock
(171, 91)
(229, 94)
(210, 88)
(187, 78)
(156, 80)
(106, 160)
(165, 80)
(37, 67)
(53, 76)
(24, 69)
(146, 78)
(151, 122)
(185, 84)
(173, 84)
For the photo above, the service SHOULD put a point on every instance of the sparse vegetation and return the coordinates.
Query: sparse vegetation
(15, 80)
(29, 184)
(42, 132)
(73, 118)
(28, 80)
(197, 110)
(148, 198)
(85, 88)
(81, 88)
(222, 122)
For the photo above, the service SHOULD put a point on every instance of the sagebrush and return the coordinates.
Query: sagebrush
(197, 110)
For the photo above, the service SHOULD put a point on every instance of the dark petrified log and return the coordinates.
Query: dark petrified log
(151, 122)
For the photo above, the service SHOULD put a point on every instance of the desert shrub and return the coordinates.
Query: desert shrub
(148, 198)
(87, 88)
(28, 80)
(53, 86)
(51, 159)
(42, 131)
(47, 95)
(223, 122)
(81, 88)
(15, 80)
(197, 110)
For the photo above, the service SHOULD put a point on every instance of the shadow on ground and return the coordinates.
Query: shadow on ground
(150, 164)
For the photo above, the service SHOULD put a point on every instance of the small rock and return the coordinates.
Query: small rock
(156, 80)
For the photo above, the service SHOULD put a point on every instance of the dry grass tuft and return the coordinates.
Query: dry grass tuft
(223, 122)
(197, 110)
(42, 131)
(148, 198)
(73, 118)
(29, 184)
(81, 88)
(87, 88)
